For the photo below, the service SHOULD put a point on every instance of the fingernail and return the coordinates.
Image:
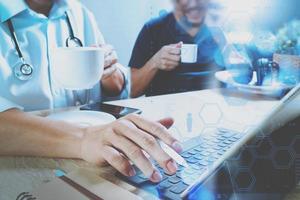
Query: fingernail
(156, 176)
(177, 147)
(132, 172)
(172, 166)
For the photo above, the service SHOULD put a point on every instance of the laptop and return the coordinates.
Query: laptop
(258, 164)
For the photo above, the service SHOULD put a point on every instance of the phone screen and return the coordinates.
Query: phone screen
(117, 111)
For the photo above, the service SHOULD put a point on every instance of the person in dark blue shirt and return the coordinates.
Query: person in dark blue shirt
(155, 61)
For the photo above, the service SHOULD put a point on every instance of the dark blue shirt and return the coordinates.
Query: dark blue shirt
(186, 77)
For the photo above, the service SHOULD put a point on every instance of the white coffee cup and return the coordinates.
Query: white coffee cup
(189, 53)
(77, 68)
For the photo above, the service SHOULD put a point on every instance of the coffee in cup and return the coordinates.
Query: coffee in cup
(240, 69)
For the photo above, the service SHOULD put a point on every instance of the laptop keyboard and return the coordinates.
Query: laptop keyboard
(209, 148)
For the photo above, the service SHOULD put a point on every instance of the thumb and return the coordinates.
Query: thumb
(179, 44)
(167, 122)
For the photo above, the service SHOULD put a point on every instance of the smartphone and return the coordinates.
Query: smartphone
(117, 111)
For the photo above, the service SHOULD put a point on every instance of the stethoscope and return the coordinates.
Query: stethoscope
(24, 71)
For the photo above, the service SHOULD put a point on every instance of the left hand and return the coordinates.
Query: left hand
(110, 59)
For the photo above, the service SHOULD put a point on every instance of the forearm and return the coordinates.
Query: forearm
(141, 78)
(22, 134)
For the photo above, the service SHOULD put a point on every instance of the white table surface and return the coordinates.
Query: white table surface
(194, 113)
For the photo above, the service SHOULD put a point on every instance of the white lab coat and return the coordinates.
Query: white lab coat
(38, 36)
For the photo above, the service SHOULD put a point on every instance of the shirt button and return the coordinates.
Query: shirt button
(77, 103)
(91, 101)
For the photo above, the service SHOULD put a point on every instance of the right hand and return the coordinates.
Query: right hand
(167, 58)
(126, 139)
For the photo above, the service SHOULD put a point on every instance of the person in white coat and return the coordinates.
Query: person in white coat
(28, 30)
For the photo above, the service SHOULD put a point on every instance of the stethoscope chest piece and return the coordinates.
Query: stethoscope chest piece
(23, 71)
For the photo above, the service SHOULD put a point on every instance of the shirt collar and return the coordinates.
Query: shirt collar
(59, 8)
(9, 9)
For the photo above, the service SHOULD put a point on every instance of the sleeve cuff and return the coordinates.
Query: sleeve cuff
(6, 105)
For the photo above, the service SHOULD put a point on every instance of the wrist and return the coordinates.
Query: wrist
(152, 65)
(115, 84)
(74, 146)
(73, 142)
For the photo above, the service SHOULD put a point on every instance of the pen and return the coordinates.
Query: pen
(173, 154)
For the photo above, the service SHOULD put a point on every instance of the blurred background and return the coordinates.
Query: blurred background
(121, 21)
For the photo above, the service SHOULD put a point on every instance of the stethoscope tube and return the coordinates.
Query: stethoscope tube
(24, 71)
(72, 37)
(14, 37)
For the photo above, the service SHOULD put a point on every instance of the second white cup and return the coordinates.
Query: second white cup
(189, 53)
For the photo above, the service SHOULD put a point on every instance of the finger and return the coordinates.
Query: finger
(108, 72)
(166, 122)
(109, 62)
(118, 161)
(169, 65)
(149, 144)
(174, 50)
(177, 45)
(156, 129)
(135, 154)
(171, 57)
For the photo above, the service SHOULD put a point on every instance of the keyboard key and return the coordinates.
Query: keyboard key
(222, 145)
(179, 188)
(137, 179)
(188, 171)
(210, 159)
(205, 146)
(227, 142)
(215, 155)
(171, 195)
(198, 157)
(142, 176)
(193, 152)
(186, 155)
(204, 153)
(180, 168)
(192, 160)
(198, 148)
(229, 134)
(221, 152)
(203, 162)
(196, 167)
(238, 136)
(217, 147)
(165, 185)
(190, 179)
(174, 180)
(232, 139)
(210, 150)
(166, 174)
